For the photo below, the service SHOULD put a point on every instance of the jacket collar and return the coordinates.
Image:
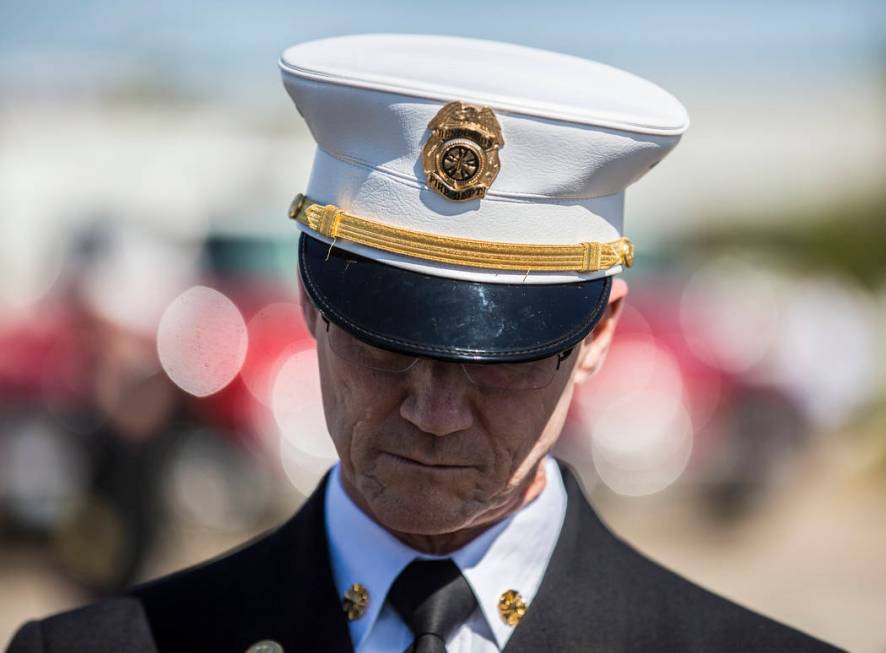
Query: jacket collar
(305, 597)
(582, 586)
(307, 604)
(513, 554)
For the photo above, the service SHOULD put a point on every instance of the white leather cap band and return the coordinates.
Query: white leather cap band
(376, 195)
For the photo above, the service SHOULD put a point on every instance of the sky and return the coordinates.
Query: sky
(786, 98)
(228, 48)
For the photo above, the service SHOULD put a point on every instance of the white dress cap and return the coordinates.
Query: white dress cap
(573, 135)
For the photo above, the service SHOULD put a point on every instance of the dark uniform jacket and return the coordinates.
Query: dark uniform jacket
(598, 595)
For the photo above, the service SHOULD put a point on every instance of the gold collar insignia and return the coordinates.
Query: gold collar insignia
(355, 601)
(511, 607)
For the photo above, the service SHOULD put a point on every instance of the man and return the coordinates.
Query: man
(460, 234)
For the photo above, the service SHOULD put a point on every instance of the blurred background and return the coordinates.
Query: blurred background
(158, 393)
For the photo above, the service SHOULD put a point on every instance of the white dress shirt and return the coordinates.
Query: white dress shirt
(512, 555)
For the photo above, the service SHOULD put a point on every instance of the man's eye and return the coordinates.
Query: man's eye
(376, 358)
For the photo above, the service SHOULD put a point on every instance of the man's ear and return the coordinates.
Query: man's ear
(596, 344)
(308, 310)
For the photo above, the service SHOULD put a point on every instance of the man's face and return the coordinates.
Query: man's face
(427, 451)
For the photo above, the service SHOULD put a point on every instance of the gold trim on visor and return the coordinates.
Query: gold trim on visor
(333, 222)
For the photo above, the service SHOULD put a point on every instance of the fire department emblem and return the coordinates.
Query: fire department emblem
(461, 155)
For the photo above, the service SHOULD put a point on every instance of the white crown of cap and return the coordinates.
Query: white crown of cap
(576, 134)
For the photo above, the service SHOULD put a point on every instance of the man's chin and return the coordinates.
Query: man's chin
(421, 511)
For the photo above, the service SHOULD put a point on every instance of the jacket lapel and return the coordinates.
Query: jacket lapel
(579, 593)
(278, 587)
(307, 606)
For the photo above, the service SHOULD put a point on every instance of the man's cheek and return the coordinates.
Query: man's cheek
(516, 420)
(515, 431)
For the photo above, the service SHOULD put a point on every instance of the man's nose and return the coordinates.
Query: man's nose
(437, 401)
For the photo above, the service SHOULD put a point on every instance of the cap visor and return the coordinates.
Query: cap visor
(447, 319)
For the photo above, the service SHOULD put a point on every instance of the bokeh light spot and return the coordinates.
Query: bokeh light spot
(202, 341)
(306, 449)
(729, 311)
(275, 332)
(642, 445)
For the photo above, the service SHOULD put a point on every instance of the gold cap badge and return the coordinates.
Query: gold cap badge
(461, 155)
(355, 601)
(511, 607)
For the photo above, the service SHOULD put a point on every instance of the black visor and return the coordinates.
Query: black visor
(448, 319)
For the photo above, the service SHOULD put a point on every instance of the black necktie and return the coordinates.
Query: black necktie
(433, 598)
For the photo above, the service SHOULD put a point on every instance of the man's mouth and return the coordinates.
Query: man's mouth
(429, 464)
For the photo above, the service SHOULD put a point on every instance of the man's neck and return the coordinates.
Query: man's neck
(445, 543)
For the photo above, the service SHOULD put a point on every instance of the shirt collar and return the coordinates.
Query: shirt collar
(512, 555)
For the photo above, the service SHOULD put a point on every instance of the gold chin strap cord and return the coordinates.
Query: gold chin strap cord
(333, 222)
